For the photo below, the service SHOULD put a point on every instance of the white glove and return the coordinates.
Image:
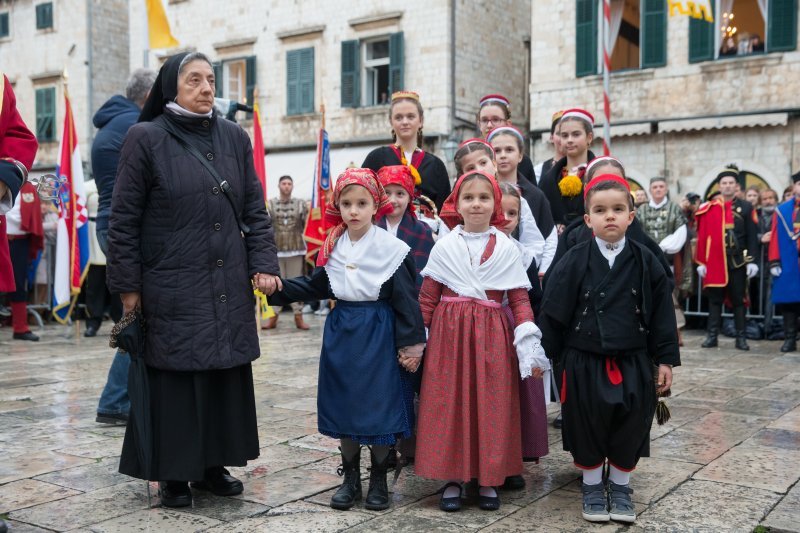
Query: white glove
(752, 270)
(530, 354)
(776, 271)
(702, 271)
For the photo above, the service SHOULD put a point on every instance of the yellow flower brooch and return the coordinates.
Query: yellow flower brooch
(570, 185)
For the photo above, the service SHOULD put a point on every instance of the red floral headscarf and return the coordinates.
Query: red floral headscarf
(452, 218)
(364, 177)
(399, 175)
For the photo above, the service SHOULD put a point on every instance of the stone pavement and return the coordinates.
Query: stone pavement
(729, 460)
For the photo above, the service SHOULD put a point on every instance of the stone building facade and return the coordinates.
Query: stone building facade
(40, 41)
(350, 56)
(681, 106)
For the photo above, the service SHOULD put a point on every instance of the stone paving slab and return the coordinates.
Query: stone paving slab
(720, 464)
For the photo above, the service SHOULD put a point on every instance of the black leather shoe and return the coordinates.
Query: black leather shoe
(378, 492)
(557, 422)
(220, 482)
(349, 492)
(489, 503)
(514, 483)
(710, 342)
(175, 494)
(3, 526)
(741, 343)
(113, 419)
(27, 336)
(451, 505)
(91, 331)
(789, 345)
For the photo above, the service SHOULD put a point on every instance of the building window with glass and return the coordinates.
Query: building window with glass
(372, 69)
(46, 114)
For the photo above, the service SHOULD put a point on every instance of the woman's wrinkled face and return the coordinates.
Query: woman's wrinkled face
(196, 87)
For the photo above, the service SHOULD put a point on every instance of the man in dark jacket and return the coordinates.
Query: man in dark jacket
(114, 119)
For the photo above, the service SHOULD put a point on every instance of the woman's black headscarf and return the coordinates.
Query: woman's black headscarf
(165, 88)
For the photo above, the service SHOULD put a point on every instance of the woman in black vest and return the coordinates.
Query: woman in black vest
(406, 119)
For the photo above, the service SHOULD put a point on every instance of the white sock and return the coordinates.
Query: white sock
(593, 476)
(488, 491)
(615, 475)
(452, 492)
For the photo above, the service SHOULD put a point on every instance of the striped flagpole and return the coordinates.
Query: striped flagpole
(606, 70)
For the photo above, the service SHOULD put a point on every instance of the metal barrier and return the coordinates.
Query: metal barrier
(761, 306)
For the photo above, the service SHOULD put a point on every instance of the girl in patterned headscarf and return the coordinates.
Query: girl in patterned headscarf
(373, 337)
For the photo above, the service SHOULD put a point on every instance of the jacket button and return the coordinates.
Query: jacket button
(210, 156)
(215, 190)
(600, 312)
(219, 262)
(602, 295)
(205, 123)
(217, 226)
(223, 298)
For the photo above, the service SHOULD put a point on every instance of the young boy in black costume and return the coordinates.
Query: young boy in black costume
(606, 319)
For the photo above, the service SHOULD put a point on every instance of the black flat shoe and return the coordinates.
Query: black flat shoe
(91, 331)
(489, 503)
(557, 422)
(219, 482)
(451, 505)
(175, 494)
(514, 483)
(27, 336)
(112, 419)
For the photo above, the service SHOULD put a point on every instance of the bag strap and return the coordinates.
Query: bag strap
(224, 186)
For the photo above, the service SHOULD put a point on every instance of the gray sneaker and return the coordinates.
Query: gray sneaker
(620, 506)
(594, 503)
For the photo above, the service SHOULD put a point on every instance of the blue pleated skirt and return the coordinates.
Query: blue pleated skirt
(363, 393)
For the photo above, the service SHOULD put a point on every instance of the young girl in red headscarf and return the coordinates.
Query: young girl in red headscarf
(373, 337)
(469, 421)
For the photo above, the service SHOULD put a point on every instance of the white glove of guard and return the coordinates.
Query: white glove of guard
(702, 271)
(752, 270)
(530, 354)
(775, 271)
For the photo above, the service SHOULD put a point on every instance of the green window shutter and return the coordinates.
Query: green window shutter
(585, 37)
(306, 77)
(701, 39)
(293, 82)
(46, 114)
(218, 81)
(4, 26)
(251, 80)
(654, 33)
(782, 25)
(44, 16)
(396, 61)
(351, 79)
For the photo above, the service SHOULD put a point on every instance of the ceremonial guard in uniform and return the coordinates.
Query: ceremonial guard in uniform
(289, 221)
(727, 245)
(784, 262)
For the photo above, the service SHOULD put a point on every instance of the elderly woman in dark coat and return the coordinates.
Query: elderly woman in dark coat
(176, 250)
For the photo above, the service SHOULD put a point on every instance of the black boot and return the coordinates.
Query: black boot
(790, 332)
(714, 319)
(740, 323)
(378, 492)
(350, 491)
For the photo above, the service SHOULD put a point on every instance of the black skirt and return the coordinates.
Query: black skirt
(199, 420)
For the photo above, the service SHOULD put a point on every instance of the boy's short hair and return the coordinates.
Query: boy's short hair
(608, 185)
(287, 177)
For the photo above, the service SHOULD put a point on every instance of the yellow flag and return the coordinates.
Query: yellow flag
(266, 310)
(699, 9)
(158, 26)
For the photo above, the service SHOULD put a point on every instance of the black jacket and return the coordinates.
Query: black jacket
(173, 237)
(435, 181)
(565, 210)
(113, 119)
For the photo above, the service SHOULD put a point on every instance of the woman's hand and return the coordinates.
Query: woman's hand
(267, 283)
(131, 301)
(664, 378)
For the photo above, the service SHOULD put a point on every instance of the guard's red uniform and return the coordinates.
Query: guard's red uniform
(17, 145)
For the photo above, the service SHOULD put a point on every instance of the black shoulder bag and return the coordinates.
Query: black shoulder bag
(224, 186)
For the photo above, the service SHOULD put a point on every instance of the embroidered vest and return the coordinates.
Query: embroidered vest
(659, 222)
(288, 223)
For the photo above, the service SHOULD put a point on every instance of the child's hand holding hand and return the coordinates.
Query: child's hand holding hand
(410, 357)
(664, 378)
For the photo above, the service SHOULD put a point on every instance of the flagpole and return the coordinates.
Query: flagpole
(146, 25)
(606, 69)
